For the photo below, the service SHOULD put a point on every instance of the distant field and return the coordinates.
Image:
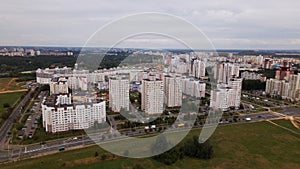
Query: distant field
(7, 84)
(247, 145)
(4, 82)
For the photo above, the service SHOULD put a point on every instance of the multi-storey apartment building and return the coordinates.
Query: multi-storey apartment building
(152, 96)
(59, 85)
(286, 89)
(223, 72)
(60, 114)
(193, 87)
(222, 98)
(173, 90)
(119, 93)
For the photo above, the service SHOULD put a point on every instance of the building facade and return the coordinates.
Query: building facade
(61, 115)
(173, 90)
(152, 96)
(118, 94)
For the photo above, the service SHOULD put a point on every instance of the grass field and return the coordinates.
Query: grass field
(247, 145)
(7, 84)
(287, 124)
(9, 98)
(4, 82)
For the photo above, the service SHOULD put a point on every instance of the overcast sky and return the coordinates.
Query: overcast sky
(235, 24)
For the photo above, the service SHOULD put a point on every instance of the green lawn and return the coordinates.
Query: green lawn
(287, 124)
(247, 145)
(9, 98)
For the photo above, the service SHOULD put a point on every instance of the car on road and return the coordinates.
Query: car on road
(248, 119)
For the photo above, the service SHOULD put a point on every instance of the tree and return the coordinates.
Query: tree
(253, 85)
(6, 105)
(191, 148)
(19, 126)
(103, 157)
(199, 150)
(137, 166)
(160, 145)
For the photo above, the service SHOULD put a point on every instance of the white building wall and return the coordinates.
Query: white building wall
(118, 94)
(57, 119)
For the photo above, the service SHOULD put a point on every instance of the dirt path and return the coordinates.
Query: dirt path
(12, 91)
(8, 84)
(283, 127)
(294, 122)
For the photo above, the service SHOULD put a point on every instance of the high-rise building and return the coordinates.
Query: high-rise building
(59, 86)
(284, 73)
(267, 63)
(274, 87)
(227, 96)
(119, 93)
(152, 96)
(193, 87)
(287, 89)
(173, 90)
(294, 86)
(223, 72)
(198, 68)
(222, 98)
(236, 85)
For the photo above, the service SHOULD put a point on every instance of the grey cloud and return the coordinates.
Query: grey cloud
(229, 23)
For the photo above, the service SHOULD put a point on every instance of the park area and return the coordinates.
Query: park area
(240, 145)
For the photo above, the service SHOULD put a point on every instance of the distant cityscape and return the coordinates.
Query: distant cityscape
(185, 74)
(20, 51)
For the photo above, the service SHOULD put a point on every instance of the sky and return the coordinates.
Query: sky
(229, 24)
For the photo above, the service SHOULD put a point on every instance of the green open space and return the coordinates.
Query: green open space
(9, 98)
(11, 84)
(243, 145)
(4, 82)
(287, 124)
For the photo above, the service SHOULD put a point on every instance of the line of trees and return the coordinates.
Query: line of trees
(191, 148)
(12, 66)
(253, 85)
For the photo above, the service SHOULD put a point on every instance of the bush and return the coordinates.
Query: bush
(103, 157)
(138, 166)
(6, 105)
(192, 148)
